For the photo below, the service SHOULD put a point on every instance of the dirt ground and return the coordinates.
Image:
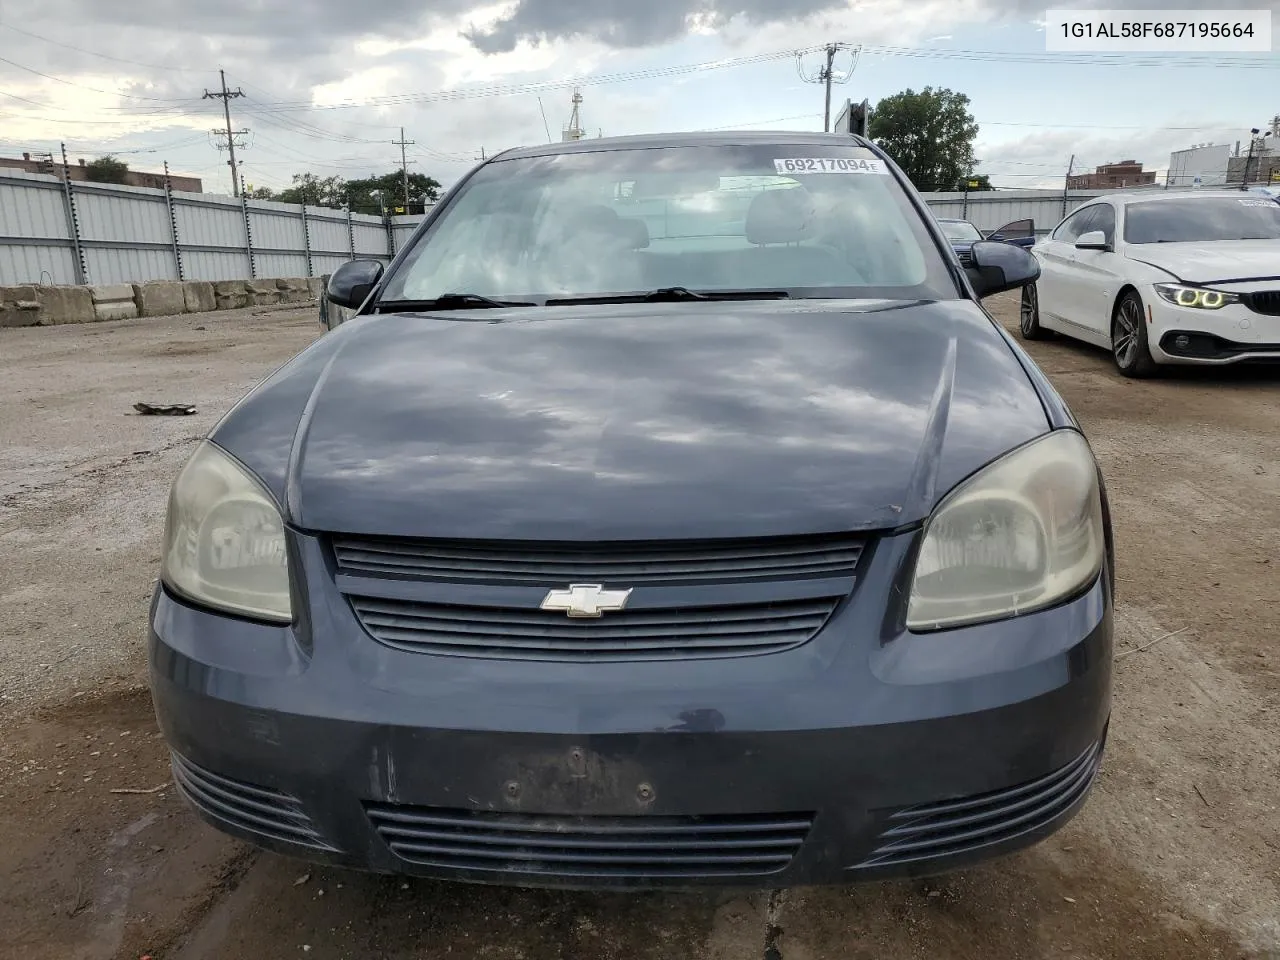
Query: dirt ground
(1176, 856)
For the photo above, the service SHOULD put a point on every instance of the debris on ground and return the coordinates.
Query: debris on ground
(165, 409)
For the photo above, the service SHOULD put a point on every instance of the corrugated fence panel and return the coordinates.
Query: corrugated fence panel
(327, 262)
(276, 226)
(371, 236)
(129, 264)
(32, 210)
(404, 228)
(989, 210)
(215, 265)
(328, 235)
(126, 236)
(276, 265)
(212, 222)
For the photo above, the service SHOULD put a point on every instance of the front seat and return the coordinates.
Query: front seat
(782, 225)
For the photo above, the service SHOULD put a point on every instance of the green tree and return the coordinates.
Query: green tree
(929, 134)
(260, 193)
(974, 182)
(369, 195)
(107, 169)
(315, 191)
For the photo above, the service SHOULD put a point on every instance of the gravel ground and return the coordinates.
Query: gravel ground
(1176, 855)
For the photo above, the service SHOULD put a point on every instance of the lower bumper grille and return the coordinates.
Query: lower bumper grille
(936, 830)
(585, 847)
(264, 812)
(674, 634)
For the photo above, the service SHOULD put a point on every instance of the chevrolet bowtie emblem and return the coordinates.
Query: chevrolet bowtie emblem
(586, 600)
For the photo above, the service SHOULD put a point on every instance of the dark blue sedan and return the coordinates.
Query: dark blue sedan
(670, 512)
(962, 235)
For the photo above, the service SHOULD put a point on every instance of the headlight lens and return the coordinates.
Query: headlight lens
(1196, 297)
(224, 539)
(1018, 536)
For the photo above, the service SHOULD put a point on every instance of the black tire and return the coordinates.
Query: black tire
(1129, 346)
(1029, 315)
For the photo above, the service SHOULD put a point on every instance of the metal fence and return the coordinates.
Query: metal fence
(59, 232)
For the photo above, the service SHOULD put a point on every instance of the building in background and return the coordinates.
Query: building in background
(1113, 176)
(1202, 164)
(78, 171)
(1259, 159)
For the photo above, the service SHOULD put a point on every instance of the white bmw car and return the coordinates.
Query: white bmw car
(1163, 278)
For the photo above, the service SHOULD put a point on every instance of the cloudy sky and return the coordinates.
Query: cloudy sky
(328, 83)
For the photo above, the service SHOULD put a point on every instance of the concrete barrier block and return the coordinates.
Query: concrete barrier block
(230, 294)
(262, 292)
(113, 301)
(315, 287)
(19, 307)
(159, 298)
(199, 296)
(65, 305)
(293, 289)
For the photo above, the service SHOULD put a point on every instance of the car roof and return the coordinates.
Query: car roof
(719, 138)
(1165, 196)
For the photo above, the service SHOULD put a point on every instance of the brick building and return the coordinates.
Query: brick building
(1113, 176)
(79, 171)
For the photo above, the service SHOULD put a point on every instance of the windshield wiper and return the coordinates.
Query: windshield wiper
(452, 301)
(675, 295)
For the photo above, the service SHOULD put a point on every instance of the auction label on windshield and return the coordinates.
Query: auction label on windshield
(1158, 31)
(829, 165)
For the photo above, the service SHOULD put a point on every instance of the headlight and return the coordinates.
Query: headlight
(1197, 297)
(1020, 535)
(224, 539)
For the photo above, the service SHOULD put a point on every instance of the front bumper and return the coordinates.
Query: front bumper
(1232, 334)
(854, 756)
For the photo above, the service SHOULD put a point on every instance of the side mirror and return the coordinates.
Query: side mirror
(352, 282)
(997, 267)
(1093, 240)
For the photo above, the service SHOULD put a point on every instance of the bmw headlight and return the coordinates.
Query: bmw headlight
(1197, 297)
(224, 539)
(1020, 535)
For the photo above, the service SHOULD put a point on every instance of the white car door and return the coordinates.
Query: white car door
(1093, 278)
(1057, 256)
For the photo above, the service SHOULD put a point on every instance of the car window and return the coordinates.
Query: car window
(961, 231)
(1075, 225)
(1202, 218)
(1104, 219)
(818, 221)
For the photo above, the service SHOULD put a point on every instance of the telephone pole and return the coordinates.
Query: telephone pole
(226, 96)
(826, 75)
(1066, 184)
(404, 165)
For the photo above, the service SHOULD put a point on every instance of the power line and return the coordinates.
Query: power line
(226, 96)
(93, 53)
(82, 86)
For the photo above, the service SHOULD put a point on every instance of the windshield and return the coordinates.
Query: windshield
(1210, 218)
(961, 231)
(817, 221)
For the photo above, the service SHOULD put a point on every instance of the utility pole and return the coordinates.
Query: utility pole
(404, 166)
(1066, 184)
(826, 75)
(826, 79)
(226, 96)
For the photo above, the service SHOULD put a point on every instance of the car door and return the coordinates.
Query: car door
(1021, 233)
(1057, 259)
(1094, 278)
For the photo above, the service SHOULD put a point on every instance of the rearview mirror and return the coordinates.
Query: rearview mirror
(1093, 240)
(997, 267)
(352, 282)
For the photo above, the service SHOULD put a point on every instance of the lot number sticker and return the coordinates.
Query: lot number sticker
(829, 165)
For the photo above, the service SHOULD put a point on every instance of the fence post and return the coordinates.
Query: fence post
(306, 239)
(173, 221)
(351, 233)
(73, 220)
(248, 237)
(391, 237)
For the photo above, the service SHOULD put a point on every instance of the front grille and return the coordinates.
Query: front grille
(952, 827)
(669, 634)
(563, 846)
(268, 813)
(1263, 301)
(626, 563)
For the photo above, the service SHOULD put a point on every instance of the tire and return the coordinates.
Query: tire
(1029, 315)
(1129, 346)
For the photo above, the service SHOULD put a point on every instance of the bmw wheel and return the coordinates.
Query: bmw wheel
(1129, 345)
(1029, 315)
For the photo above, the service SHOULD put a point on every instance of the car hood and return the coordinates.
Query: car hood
(636, 421)
(1212, 262)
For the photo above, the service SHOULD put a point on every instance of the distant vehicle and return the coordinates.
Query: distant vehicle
(963, 235)
(1164, 278)
(669, 512)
